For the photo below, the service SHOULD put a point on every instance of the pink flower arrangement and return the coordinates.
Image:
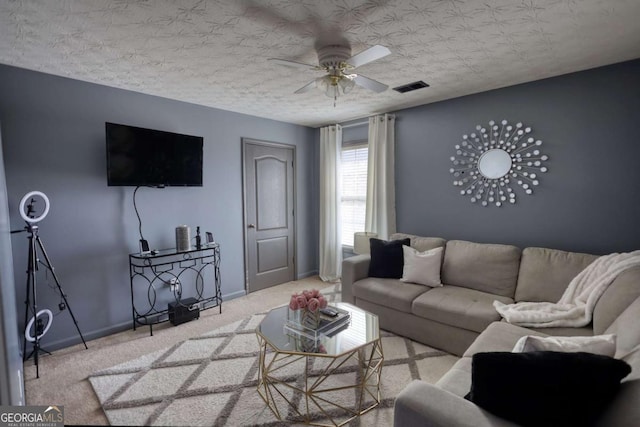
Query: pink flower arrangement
(311, 300)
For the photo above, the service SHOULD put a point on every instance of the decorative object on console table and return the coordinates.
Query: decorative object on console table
(198, 239)
(183, 238)
(144, 247)
(361, 242)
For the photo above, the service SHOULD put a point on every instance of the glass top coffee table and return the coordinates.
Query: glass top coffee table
(326, 381)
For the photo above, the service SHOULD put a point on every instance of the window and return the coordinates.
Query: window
(354, 189)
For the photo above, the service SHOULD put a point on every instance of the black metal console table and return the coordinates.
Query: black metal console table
(185, 271)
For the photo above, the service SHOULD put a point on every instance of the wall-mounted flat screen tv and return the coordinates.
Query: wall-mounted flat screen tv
(147, 157)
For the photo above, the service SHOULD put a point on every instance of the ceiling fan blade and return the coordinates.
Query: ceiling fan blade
(307, 87)
(370, 84)
(293, 64)
(372, 54)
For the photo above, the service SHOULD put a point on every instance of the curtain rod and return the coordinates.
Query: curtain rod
(362, 123)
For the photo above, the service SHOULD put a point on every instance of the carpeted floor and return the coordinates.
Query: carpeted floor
(211, 380)
(200, 373)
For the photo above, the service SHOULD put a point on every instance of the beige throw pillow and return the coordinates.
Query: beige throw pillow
(604, 345)
(422, 268)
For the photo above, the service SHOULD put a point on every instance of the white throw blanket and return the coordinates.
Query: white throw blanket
(575, 308)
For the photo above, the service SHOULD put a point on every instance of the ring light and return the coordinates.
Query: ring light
(27, 331)
(26, 198)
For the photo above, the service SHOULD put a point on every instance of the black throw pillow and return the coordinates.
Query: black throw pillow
(545, 388)
(387, 258)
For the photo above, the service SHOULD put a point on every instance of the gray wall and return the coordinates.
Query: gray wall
(54, 141)
(588, 201)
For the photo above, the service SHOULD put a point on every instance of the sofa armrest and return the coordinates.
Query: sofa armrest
(353, 269)
(424, 404)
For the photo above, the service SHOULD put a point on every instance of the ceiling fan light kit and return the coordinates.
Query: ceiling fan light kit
(333, 85)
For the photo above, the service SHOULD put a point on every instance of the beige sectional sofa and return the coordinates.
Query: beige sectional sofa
(459, 318)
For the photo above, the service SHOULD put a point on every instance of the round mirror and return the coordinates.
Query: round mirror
(493, 159)
(494, 164)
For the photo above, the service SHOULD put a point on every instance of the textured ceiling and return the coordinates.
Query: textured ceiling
(215, 52)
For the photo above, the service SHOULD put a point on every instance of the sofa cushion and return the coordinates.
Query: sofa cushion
(616, 298)
(390, 293)
(633, 359)
(544, 387)
(499, 336)
(624, 411)
(421, 404)
(566, 331)
(485, 267)
(423, 267)
(456, 306)
(604, 345)
(545, 273)
(387, 258)
(420, 243)
(627, 330)
(457, 380)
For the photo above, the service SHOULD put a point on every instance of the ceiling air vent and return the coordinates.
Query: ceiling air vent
(411, 86)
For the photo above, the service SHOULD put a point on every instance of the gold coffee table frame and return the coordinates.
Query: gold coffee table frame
(314, 405)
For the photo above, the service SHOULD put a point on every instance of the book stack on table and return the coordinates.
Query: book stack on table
(327, 327)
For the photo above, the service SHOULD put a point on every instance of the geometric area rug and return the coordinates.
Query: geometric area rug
(212, 379)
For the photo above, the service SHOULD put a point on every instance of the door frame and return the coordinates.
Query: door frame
(245, 141)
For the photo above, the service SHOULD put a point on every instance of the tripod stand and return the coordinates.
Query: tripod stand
(31, 301)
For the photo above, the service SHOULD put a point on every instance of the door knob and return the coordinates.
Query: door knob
(251, 226)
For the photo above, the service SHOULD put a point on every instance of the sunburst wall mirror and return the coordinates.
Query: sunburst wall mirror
(490, 162)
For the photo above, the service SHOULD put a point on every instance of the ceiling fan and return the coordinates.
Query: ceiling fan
(338, 64)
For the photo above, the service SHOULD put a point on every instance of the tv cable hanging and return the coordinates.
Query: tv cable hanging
(144, 244)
